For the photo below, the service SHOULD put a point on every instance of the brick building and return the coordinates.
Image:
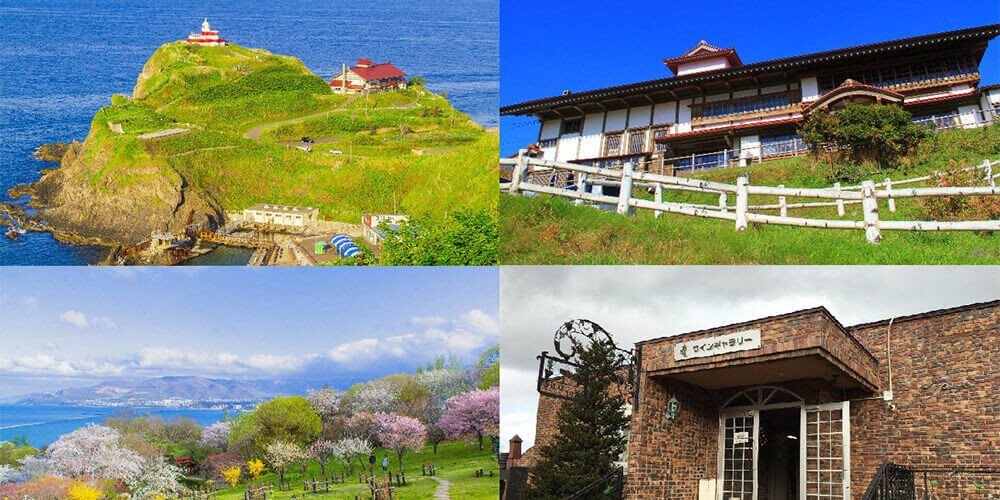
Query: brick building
(800, 406)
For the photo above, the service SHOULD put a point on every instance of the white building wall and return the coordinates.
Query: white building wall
(550, 129)
(568, 148)
(810, 88)
(700, 66)
(639, 117)
(993, 95)
(664, 113)
(772, 89)
(969, 116)
(749, 147)
(590, 141)
(684, 119)
(744, 93)
(716, 97)
(616, 120)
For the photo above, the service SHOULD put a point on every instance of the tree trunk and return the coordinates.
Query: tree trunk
(480, 436)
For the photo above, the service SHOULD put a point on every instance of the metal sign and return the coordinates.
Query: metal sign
(713, 346)
(560, 376)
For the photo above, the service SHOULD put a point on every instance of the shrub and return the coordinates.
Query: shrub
(961, 207)
(873, 134)
(83, 491)
(232, 475)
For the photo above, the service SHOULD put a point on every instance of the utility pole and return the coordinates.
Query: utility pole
(343, 78)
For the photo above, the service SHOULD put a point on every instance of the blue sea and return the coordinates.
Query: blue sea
(61, 60)
(42, 425)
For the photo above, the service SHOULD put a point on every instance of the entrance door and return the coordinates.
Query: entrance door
(827, 451)
(738, 454)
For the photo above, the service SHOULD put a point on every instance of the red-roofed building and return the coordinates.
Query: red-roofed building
(206, 37)
(366, 75)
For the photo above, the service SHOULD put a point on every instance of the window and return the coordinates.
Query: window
(902, 74)
(781, 144)
(745, 105)
(547, 143)
(572, 126)
(612, 144)
(637, 142)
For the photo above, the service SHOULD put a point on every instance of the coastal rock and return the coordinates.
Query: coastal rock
(93, 197)
(52, 152)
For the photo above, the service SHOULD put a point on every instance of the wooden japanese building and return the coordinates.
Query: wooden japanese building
(717, 111)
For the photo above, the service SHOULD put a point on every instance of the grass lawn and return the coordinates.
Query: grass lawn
(456, 461)
(546, 230)
(219, 93)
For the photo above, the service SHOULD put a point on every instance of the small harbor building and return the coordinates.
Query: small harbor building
(717, 111)
(800, 406)
(282, 216)
(375, 234)
(367, 76)
(206, 37)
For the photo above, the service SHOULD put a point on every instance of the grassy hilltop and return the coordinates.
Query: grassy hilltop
(236, 106)
(550, 230)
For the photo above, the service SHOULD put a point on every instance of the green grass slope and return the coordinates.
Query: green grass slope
(545, 230)
(220, 93)
(456, 462)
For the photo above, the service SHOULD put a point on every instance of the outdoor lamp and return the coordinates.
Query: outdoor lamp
(673, 408)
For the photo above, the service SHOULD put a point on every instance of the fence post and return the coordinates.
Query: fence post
(782, 204)
(988, 167)
(840, 201)
(742, 202)
(625, 192)
(581, 187)
(870, 207)
(519, 172)
(888, 188)
(724, 202)
(659, 199)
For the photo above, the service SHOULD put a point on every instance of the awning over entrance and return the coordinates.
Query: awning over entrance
(809, 344)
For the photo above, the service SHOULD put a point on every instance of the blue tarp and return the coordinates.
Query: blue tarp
(345, 245)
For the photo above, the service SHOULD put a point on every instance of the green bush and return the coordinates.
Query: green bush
(877, 135)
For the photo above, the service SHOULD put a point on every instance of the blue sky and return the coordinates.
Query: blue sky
(547, 46)
(73, 326)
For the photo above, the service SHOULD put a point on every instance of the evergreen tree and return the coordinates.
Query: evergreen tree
(591, 428)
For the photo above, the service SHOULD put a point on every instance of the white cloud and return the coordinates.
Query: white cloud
(30, 303)
(163, 358)
(75, 318)
(104, 321)
(464, 336)
(427, 321)
(44, 364)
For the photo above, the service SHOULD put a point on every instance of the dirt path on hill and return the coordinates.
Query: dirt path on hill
(255, 132)
(443, 491)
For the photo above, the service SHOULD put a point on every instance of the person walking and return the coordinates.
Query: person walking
(371, 463)
(385, 463)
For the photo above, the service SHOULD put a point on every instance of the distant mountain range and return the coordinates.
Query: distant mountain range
(183, 392)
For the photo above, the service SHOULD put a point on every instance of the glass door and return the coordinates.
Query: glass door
(739, 451)
(826, 451)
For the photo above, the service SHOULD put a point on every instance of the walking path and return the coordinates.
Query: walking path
(442, 493)
(255, 132)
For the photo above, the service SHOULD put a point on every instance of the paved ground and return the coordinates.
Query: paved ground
(164, 133)
(328, 255)
(254, 133)
(444, 486)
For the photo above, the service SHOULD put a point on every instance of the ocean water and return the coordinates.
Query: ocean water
(61, 60)
(42, 425)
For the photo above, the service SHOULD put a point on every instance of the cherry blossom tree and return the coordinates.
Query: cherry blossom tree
(281, 455)
(322, 451)
(361, 425)
(156, 478)
(401, 434)
(475, 413)
(441, 384)
(325, 401)
(217, 435)
(93, 451)
(346, 449)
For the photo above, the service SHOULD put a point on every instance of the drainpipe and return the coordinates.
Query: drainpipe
(887, 395)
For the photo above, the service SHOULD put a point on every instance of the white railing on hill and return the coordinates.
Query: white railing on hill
(570, 180)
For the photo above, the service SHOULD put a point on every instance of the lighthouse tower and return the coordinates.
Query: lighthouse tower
(206, 37)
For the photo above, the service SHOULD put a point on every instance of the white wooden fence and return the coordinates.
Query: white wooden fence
(570, 180)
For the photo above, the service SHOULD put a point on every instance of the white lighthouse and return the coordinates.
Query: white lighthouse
(206, 37)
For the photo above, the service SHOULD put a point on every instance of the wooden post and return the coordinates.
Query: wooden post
(742, 202)
(888, 188)
(519, 172)
(625, 192)
(581, 187)
(724, 202)
(870, 207)
(658, 197)
(783, 205)
(988, 167)
(840, 202)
